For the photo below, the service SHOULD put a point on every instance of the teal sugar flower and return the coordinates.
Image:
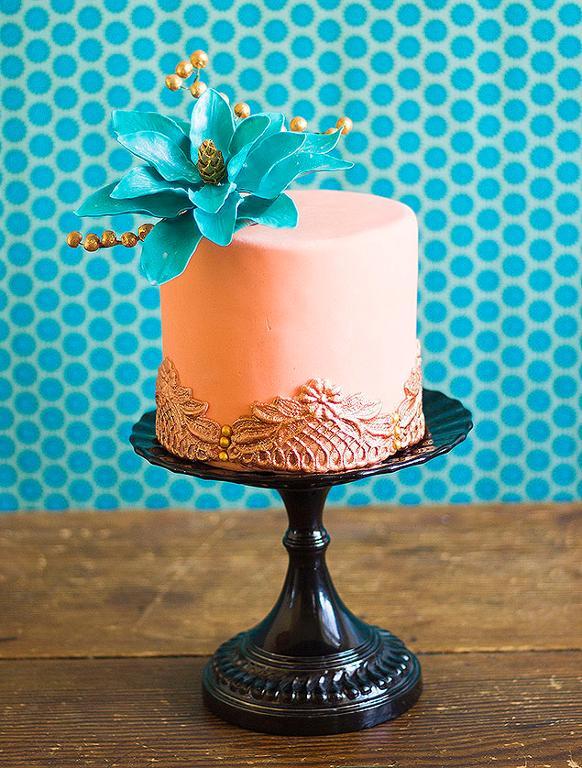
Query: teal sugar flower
(208, 178)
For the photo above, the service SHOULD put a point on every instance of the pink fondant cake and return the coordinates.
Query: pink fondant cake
(296, 349)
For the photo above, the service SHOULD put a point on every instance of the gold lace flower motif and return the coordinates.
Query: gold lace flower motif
(322, 398)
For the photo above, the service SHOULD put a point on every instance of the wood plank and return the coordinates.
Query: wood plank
(150, 583)
(522, 710)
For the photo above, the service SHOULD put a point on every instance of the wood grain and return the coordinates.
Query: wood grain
(478, 709)
(154, 583)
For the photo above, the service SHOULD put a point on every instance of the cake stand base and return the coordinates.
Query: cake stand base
(381, 681)
(312, 667)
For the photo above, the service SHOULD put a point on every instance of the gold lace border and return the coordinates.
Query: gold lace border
(321, 429)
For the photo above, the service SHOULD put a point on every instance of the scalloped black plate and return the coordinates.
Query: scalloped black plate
(448, 424)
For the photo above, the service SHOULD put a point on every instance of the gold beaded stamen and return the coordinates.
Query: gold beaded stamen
(242, 110)
(199, 60)
(194, 63)
(298, 124)
(108, 239)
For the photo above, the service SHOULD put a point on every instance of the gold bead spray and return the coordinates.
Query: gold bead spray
(193, 65)
(92, 241)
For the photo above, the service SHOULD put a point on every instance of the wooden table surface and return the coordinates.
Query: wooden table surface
(106, 620)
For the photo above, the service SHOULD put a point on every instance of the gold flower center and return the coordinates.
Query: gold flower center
(211, 163)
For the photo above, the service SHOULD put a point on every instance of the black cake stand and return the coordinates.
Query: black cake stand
(311, 666)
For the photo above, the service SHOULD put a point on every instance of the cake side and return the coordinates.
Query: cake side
(334, 298)
(320, 317)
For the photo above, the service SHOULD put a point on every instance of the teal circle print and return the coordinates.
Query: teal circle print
(468, 112)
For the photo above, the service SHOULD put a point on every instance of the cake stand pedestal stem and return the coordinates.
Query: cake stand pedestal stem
(310, 667)
(309, 618)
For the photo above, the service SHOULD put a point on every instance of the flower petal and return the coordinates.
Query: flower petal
(219, 227)
(168, 248)
(144, 180)
(321, 143)
(183, 125)
(211, 118)
(242, 223)
(285, 171)
(280, 212)
(125, 122)
(264, 155)
(211, 197)
(247, 133)
(161, 205)
(162, 153)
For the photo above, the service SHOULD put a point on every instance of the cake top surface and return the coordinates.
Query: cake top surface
(326, 214)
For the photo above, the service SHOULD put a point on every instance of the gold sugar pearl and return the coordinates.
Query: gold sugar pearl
(74, 239)
(174, 82)
(184, 69)
(143, 230)
(197, 89)
(224, 442)
(108, 239)
(331, 130)
(344, 124)
(242, 110)
(298, 124)
(199, 59)
(223, 456)
(91, 242)
(128, 239)
(226, 430)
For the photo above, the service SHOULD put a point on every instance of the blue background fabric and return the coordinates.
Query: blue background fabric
(467, 111)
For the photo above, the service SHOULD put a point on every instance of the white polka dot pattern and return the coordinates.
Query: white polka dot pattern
(467, 111)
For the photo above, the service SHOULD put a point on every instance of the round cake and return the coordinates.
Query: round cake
(295, 350)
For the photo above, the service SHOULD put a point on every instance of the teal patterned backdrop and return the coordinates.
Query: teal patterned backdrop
(467, 111)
